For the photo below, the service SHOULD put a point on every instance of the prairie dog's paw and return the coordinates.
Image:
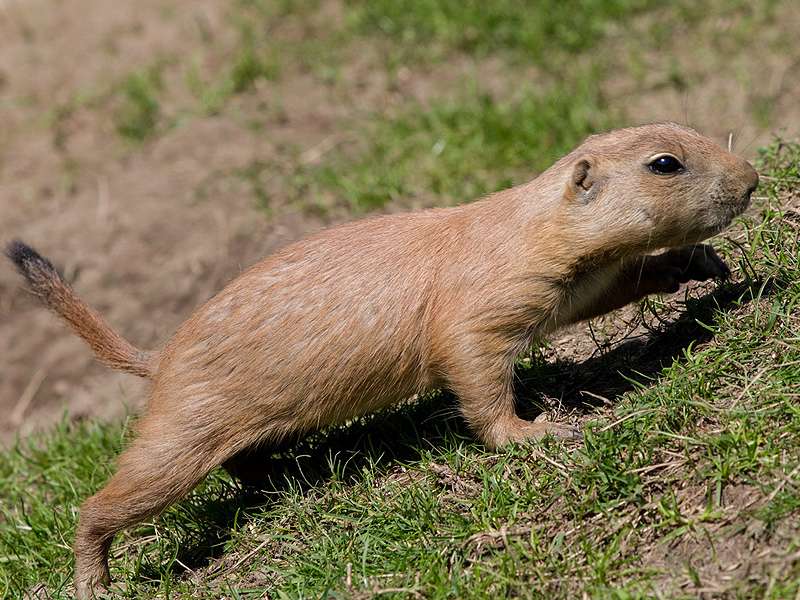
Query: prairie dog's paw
(89, 590)
(697, 262)
(540, 429)
(506, 431)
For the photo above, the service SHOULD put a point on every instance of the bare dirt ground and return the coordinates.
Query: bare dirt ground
(125, 222)
(126, 225)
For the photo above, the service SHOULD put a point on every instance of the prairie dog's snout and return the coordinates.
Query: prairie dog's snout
(361, 316)
(748, 177)
(752, 179)
(733, 191)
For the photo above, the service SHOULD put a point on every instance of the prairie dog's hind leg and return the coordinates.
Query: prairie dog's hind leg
(160, 467)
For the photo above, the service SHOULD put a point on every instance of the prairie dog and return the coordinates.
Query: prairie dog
(366, 314)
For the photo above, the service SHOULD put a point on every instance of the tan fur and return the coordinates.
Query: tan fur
(111, 348)
(358, 317)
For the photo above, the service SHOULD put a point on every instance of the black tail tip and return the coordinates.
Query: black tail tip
(26, 259)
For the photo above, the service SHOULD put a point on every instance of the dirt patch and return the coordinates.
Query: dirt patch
(147, 232)
(737, 74)
(124, 224)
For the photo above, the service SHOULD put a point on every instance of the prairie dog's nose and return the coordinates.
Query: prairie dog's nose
(751, 177)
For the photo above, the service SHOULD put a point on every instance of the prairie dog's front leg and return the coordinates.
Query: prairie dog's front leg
(662, 273)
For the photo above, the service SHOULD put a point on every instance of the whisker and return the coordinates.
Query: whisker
(752, 140)
(780, 179)
(639, 276)
(685, 107)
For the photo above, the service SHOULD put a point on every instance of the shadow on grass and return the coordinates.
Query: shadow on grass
(636, 360)
(383, 440)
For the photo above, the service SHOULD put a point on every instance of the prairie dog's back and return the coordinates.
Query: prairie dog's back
(330, 327)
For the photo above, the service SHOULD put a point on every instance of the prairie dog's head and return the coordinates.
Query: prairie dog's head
(655, 186)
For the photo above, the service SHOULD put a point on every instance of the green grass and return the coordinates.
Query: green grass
(251, 63)
(693, 465)
(456, 150)
(538, 32)
(138, 115)
(474, 137)
(554, 47)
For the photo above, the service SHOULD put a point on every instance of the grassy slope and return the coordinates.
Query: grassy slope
(688, 482)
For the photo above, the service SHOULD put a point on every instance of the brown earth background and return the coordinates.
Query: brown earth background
(147, 231)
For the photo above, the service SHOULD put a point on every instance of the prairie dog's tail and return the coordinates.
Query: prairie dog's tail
(46, 282)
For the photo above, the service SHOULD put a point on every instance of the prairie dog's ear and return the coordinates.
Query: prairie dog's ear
(584, 184)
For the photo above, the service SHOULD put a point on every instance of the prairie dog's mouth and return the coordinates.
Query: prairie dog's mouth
(717, 222)
(728, 211)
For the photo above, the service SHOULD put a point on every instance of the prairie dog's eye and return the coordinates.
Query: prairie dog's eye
(665, 164)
